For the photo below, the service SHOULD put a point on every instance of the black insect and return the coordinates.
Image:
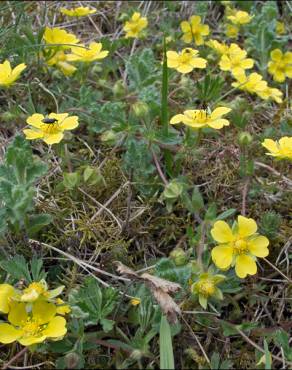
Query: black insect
(49, 121)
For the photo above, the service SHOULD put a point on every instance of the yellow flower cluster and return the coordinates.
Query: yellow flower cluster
(280, 65)
(58, 40)
(237, 19)
(34, 314)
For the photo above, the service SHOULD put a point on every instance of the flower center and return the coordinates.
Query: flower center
(31, 328)
(206, 287)
(240, 246)
(50, 128)
(185, 57)
(201, 116)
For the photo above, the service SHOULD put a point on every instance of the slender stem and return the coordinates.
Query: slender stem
(164, 91)
(159, 170)
(276, 269)
(14, 358)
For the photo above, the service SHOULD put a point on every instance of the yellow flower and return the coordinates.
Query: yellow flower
(238, 246)
(280, 66)
(200, 118)
(90, 54)
(220, 47)
(135, 25)
(38, 290)
(185, 61)
(32, 327)
(194, 30)
(271, 93)
(52, 132)
(235, 61)
(280, 28)
(60, 38)
(135, 301)
(240, 17)
(281, 149)
(8, 75)
(253, 83)
(206, 287)
(231, 30)
(59, 60)
(7, 293)
(80, 11)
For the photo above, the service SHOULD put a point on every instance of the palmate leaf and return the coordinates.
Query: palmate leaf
(18, 174)
(96, 303)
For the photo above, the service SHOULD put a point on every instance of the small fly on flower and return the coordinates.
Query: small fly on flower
(49, 121)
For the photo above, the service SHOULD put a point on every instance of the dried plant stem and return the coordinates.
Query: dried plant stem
(14, 358)
(279, 271)
(159, 170)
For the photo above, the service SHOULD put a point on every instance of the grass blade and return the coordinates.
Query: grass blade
(165, 345)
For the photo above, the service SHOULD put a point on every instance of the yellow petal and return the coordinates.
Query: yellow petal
(8, 333)
(35, 120)
(187, 37)
(56, 328)
(198, 39)
(195, 20)
(247, 63)
(177, 119)
(221, 232)
(218, 112)
(245, 265)
(69, 123)
(225, 63)
(28, 341)
(59, 117)
(18, 69)
(222, 256)
(198, 62)
(43, 311)
(185, 26)
(246, 226)
(32, 134)
(53, 139)
(271, 145)
(6, 293)
(258, 246)
(172, 59)
(17, 314)
(276, 55)
(218, 123)
(184, 68)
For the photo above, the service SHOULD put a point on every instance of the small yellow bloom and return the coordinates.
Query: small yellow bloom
(194, 30)
(185, 61)
(59, 38)
(7, 293)
(8, 75)
(80, 11)
(60, 60)
(235, 61)
(281, 149)
(135, 25)
(90, 54)
(280, 28)
(253, 83)
(206, 287)
(39, 290)
(240, 17)
(271, 93)
(135, 301)
(53, 132)
(238, 246)
(200, 118)
(61, 307)
(32, 327)
(231, 30)
(280, 66)
(220, 47)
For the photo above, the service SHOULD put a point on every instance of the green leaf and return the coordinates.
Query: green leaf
(268, 357)
(17, 268)
(71, 180)
(203, 301)
(229, 212)
(37, 272)
(197, 199)
(37, 222)
(165, 345)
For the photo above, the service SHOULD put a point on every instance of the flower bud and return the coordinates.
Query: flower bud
(244, 138)
(119, 89)
(72, 360)
(108, 136)
(178, 256)
(140, 109)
